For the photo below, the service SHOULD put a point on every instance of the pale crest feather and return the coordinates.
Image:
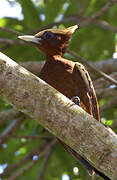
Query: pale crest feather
(69, 30)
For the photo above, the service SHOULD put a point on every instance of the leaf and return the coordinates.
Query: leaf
(87, 42)
(108, 122)
(73, 7)
(22, 150)
(53, 9)
(31, 14)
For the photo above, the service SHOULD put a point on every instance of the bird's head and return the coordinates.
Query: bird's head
(51, 41)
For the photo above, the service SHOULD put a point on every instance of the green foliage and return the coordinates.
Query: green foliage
(55, 9)
(73, 8)
(31, 15)
(91, 42)
(95, 36)
(4, 105)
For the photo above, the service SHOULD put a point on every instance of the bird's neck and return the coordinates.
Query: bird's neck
(53, 58)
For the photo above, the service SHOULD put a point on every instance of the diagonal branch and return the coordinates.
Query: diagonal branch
(34, 137)
(7, 45)
(106, 76)
(9, 115)
(59, 115)
(45, 162)
(10, 30)
(33, 162)
(11, 41)
(80, 6)
(106, 25)
(26, 158)
(109, 104)
(97, 15)
(108, 66)
(10, 129)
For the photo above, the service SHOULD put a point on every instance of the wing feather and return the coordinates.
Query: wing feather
(85, 85)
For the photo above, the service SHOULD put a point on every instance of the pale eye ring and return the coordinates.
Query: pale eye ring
(48, 35)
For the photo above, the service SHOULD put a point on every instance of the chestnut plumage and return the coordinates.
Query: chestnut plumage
(69, 78)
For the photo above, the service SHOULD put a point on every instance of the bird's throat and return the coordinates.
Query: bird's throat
(53, 58)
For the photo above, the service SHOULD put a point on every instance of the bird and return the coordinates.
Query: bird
(68, 77)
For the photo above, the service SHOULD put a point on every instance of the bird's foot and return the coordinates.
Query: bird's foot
(76, 100)
(91, 172)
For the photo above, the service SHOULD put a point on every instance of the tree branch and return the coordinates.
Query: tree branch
(26, 158)
(45, 162)
(106, 76)
(10, 129)
(11, 31)
(9, 115)
(114, 125)
(4, 47)
(109, 104)
(108, 66)
(80, 6)
(33, 162)
(36, 137)
(105, 25)
(101, 83)
(11, 41)
(107, 92)
(34, 67)
(59, 115)
(97, 15)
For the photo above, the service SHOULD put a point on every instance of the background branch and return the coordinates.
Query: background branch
(28, 157)
(10, 129)
(108, 66)
(36, 137)
(33, 162)
(11, 41)
(109, 104)
(45, 162)
(82, 60)
(97, 15)
(10, 31)
(9, 115)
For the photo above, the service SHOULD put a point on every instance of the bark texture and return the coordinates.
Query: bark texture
(59, 115)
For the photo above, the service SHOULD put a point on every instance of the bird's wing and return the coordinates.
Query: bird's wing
(88, 102)
(85, 86)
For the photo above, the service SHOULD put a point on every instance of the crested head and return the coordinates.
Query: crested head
(52, 41)
(68, 31)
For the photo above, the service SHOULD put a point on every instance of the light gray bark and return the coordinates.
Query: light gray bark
(59, 115)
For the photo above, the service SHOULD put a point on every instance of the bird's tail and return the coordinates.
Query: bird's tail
(91, 170)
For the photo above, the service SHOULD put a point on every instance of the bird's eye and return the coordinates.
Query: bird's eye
(48, 35)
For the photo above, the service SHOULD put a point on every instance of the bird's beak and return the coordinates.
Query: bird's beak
(30, 38)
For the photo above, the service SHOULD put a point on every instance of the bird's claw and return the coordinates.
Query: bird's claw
(76, 100)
